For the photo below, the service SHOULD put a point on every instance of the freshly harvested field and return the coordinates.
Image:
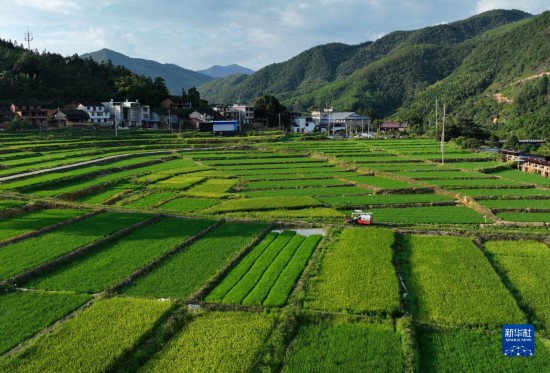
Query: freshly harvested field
(188, 204)
(382, 199)
(26, 313)
(451, 283)
(342, 347)
(265, 203)
(475, 351)
(215, 342)
(115, 261)
(357, 275)
(32, 221)
(182, 274)
(97, 337)
(525, 265)
(428, 215)
(24, 255)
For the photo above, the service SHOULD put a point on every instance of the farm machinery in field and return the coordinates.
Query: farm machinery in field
(358, 217)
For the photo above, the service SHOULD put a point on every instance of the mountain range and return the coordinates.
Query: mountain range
(218, 71)
(464, 64)
(175, 77)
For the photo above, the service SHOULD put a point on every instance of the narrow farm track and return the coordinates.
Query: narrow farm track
(76, 165)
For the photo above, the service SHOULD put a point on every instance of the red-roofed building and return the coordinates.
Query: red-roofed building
(536, 166)
(394, 126)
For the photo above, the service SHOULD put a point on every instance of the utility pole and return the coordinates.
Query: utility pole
(436, 115)
(368, 129)
(443, 138)
(280, 128)
(28, 38)
(169, 121)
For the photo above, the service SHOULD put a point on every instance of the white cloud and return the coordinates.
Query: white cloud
(530, 6)
(200, 33)
(55, 6)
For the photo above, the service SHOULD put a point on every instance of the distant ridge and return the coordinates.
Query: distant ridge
(176, 77)
(218, 71)
(382, 75)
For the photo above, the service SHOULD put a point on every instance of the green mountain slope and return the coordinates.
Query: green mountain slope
(382, 75)
(510, 61)
(176, 77)
(53, 80)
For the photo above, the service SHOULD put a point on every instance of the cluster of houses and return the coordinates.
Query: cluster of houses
(126, 114)
(528, 163)
(342, 122)
(223, 119)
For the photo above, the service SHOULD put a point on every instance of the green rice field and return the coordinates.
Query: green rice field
(194, 252)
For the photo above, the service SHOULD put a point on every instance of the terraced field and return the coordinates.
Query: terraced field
(231, 254)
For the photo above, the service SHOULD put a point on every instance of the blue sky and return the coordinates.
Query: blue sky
(196, 34)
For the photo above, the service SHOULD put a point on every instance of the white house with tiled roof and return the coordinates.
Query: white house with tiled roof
(97, 113)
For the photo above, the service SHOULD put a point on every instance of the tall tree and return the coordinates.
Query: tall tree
(268, 107)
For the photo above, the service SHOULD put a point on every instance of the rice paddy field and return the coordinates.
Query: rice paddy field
(174, 253)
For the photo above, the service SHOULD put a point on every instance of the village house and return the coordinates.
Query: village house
(302, 125)
(97, 113)
(535, 166)
(241, 113)
(204, 116)
(393, 127)
(175, 103)
(33, 114)
(69, 118)
(129, 113)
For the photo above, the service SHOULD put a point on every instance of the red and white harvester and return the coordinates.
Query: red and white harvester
(358, 217)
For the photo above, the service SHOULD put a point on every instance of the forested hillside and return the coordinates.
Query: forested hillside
(462, 63)
(53, 80)
(511, 61)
